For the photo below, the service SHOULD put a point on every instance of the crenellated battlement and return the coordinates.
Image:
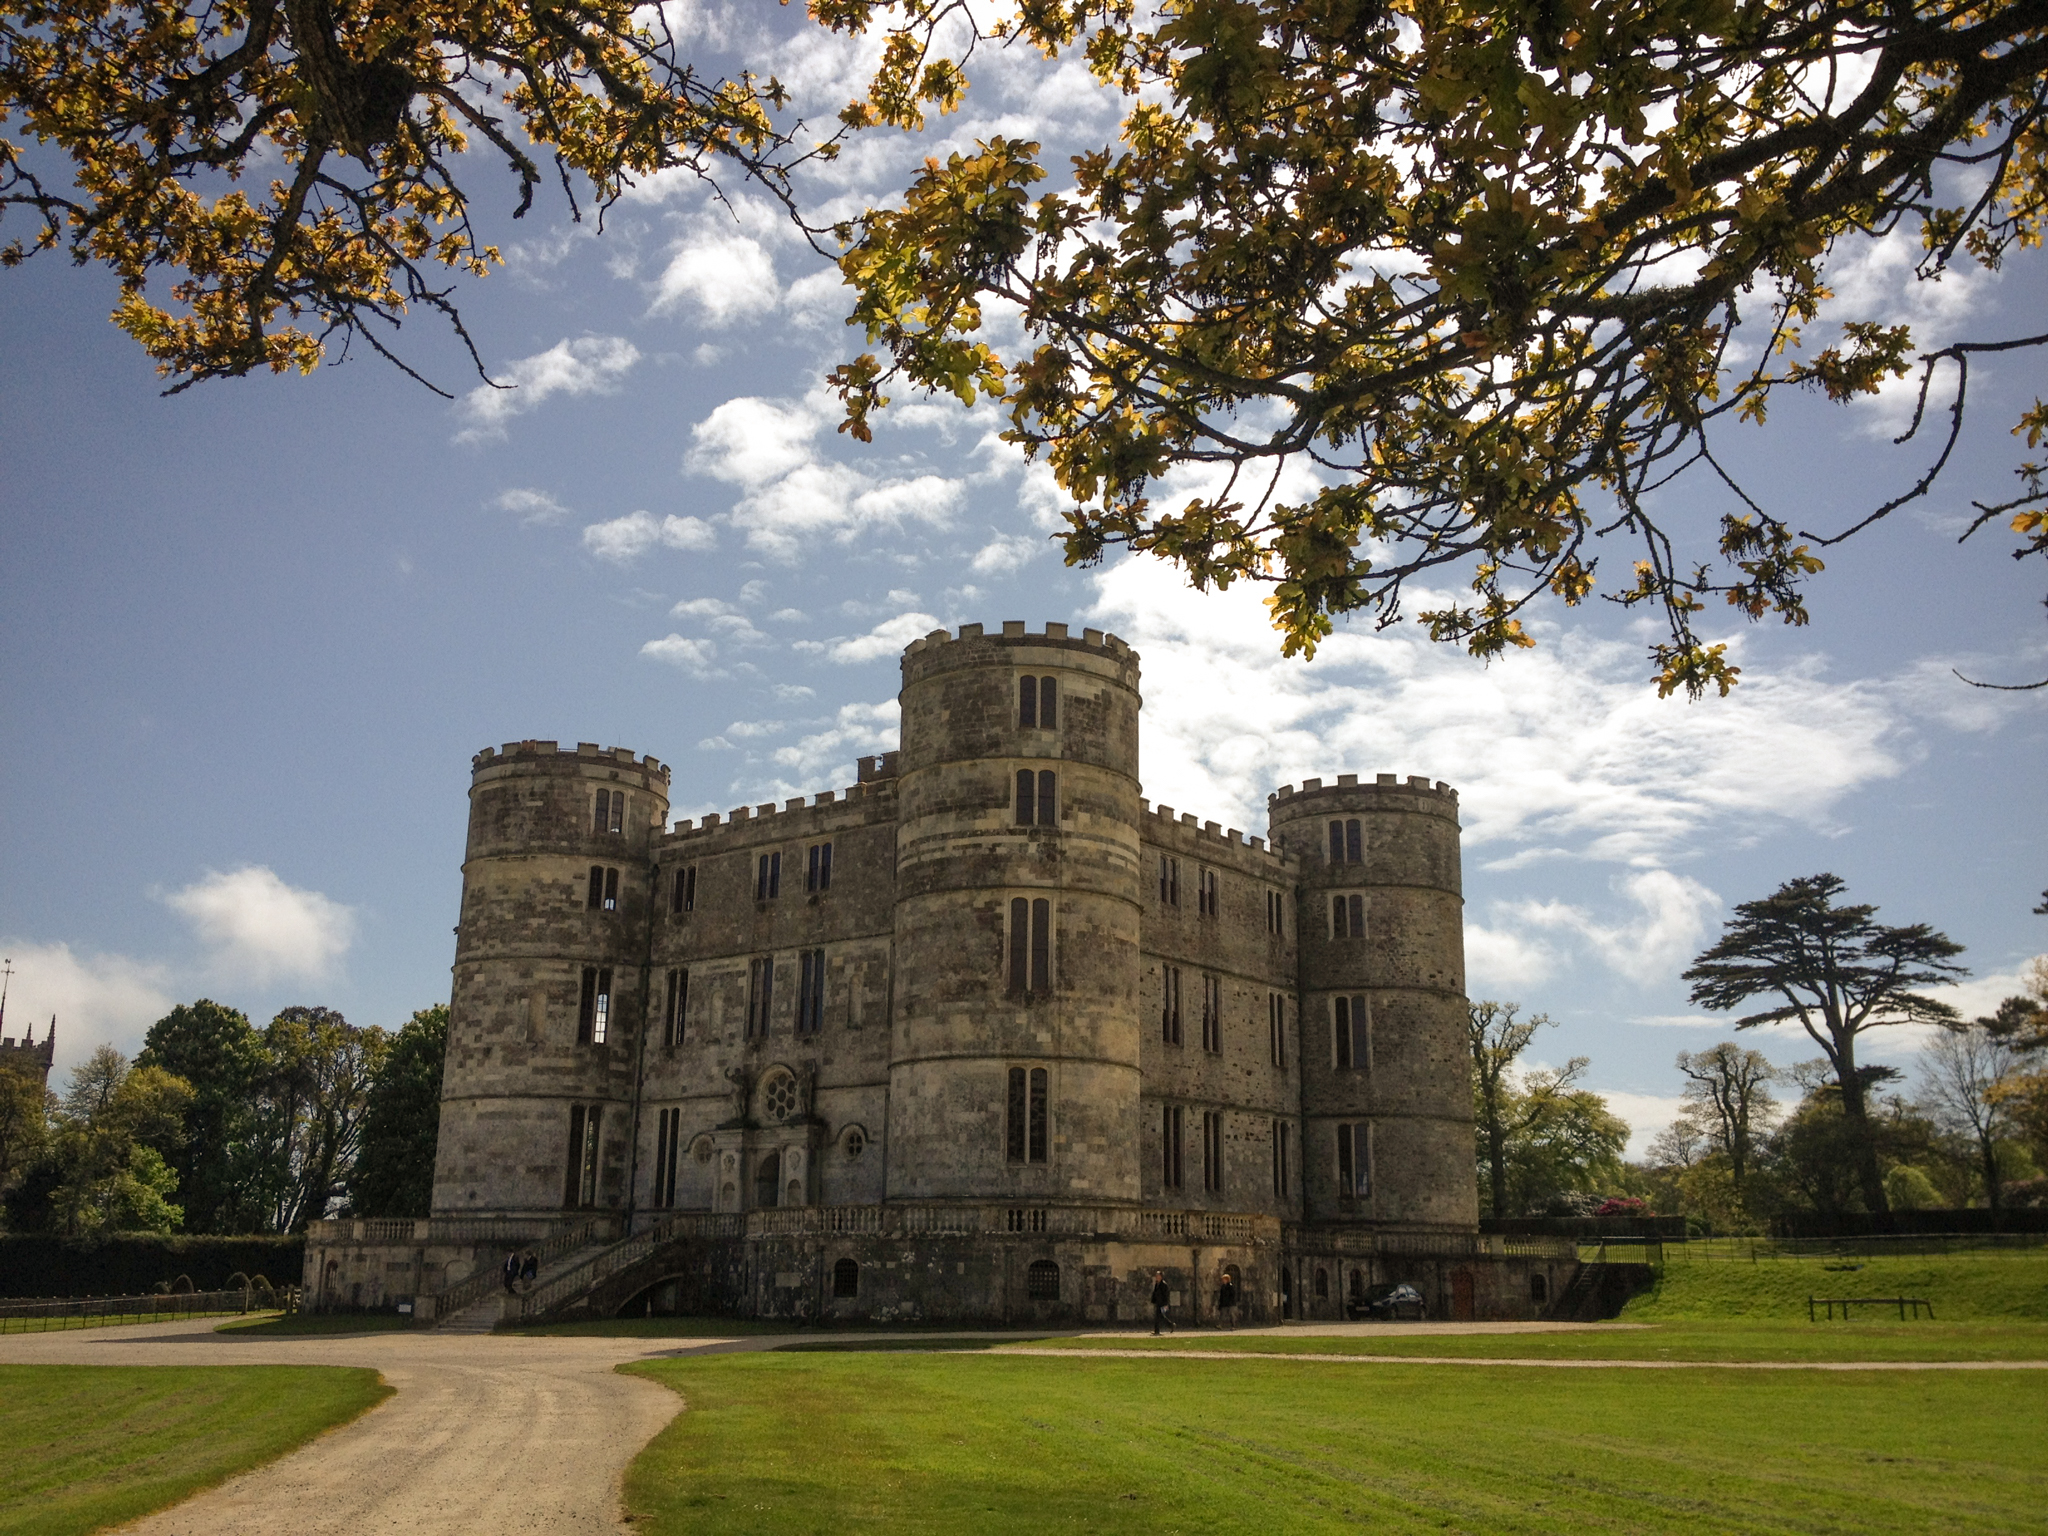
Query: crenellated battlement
(1014, 629)
(873, 798)
(1184, 831)
(553, 753)
(1349, 784)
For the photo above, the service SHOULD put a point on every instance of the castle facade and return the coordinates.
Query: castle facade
(984, 1035)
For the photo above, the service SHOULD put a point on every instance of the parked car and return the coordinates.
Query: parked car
(1391, 1303)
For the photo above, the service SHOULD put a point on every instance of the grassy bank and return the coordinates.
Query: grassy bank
(89, 1446)
(813, 1442)
(1964, 1287)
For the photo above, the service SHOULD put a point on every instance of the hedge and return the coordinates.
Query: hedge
(133, 1263)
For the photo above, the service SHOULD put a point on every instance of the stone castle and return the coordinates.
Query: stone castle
(985, 1035)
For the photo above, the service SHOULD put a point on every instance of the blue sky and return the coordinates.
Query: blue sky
(253, 633)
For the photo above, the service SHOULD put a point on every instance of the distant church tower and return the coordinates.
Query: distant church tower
(25, 1055)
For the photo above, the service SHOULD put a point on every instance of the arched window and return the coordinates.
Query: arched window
(1358, 1285)
(846, 1278)
(768, 1179)
(1539, 1288)
(1042, 1280)
(1037, 798)
(778, 1096)
(1322, 1285)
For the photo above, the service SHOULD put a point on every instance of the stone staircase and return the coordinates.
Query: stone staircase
(479, 1303)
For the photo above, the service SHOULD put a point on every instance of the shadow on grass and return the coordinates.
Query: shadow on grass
(330, 1324)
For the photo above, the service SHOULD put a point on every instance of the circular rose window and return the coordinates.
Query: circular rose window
(856, 1143)
(780, 1097)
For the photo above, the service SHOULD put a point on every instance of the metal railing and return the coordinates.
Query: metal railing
(451, 1231)
(1764, 1250)
(572, 1282)
(1445, 1245)
(39, 1314)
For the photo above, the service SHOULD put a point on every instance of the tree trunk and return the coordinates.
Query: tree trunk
(1989, 1148)
(1868, 1176)
(1497, 1164)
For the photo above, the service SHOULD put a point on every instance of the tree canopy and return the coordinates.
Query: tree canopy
(1838, 973)
(1420, 293)
(394, 1172)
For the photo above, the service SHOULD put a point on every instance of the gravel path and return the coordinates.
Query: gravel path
(483, 1434)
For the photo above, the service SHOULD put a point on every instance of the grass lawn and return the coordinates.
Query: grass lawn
(89, 1446)
(112, 1320)
(790, 1442)
(1962, 1286)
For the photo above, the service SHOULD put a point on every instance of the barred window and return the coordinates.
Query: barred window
(580, 1167)
(676, 1010)
(1172, 1138)
(1042, 1280)
(810, 991)
(1026, 1128)
(1169, 1004)
(768, 877)
(1351, 1033)
(846, 1278)
(685, 897)
(818, 875)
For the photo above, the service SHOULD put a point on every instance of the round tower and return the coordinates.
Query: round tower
(1385, 1079)
(550, 984)
(1015, 1070)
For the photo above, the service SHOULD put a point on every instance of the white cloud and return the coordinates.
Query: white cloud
(793, 496)
(857, 730)
(721, 275)
(694, 656)
(96, 999)
(885, 639)
(589, 365)
(261, 929)
(700, 608)
(1672, 913)
(531, 506)
(625, 539)
(1646, 1114)
(1007, 552)
(1502, 964)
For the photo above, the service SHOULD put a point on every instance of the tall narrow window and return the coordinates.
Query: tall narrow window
(580, 1185)
(810, 992)
(1028, 1116)
(1206, 893)
(596, 899)
(603, 813)
(685, 897)
(1354, 845)
(1172, 1130)
(818, 876)
(1212, 1013)
(675, 1012)
(1276, 1027)
(1169, 881)
(1048, 811)
(670, 1134)
(593, 1014)
(760, 995)
(1280, 1149)
(1169, 1004)
(1027, 796)
(1020, 946)
(1041, 947)
(768, 877)
(611, 811)
(1347, 917)
(1354, 1161)
(1352, 1033)
(1027, 702)
(1273, 922)
(1048, 704)
(572, 1162)
(611, 890)
(1212, 1151)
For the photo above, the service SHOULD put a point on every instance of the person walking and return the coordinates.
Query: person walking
(1161, 1298)
(529, 1269)
(1226, 1298)
(512, 1273)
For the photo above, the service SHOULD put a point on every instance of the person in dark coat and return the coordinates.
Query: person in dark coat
(529, 1268)
(1226, 1299)
(512, 1273)
(1161, 1297)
